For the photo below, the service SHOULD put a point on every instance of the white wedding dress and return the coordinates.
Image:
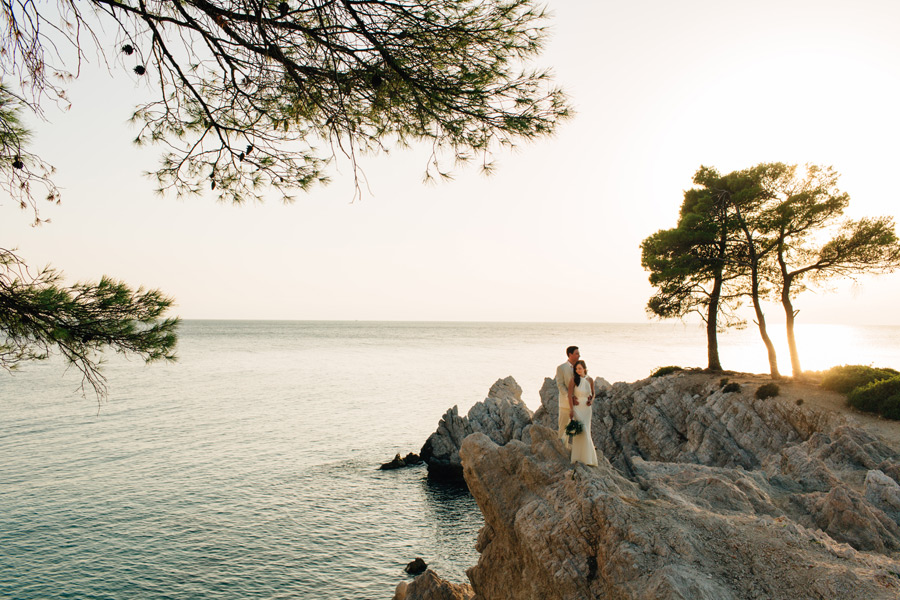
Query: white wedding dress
(582, 445)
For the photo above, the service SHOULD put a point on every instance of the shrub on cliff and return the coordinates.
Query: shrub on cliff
(846, 378)
(663, 371)
(767, 390)
(881, 397)
(731, 387)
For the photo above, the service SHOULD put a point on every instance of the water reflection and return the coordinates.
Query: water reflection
(453, 519)
(449, 499)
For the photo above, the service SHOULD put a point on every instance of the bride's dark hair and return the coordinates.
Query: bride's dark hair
(577, 376)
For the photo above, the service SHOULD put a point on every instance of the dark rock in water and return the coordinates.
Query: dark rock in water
(412, 459)
(446, 472)
(415, 567)
(409, 460)
(441, 449)
(397, 463)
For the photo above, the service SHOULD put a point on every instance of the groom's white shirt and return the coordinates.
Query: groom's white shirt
(564, 374)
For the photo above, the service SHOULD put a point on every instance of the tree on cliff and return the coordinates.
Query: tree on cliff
(254, 96)
(762, 232)
(791, 232)
(813, 243)
(746, 199)
(690, 263)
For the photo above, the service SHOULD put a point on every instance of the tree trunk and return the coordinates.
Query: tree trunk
(712, 326)
(754, 294)
(761, 323)
(789, 313)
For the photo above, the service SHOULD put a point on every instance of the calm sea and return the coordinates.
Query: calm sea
(248, 468)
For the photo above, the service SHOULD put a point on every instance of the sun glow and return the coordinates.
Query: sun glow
(820, 346)
(824, 346)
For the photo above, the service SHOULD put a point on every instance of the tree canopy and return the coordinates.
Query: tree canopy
(691, 263)
(251, 97)
(257, 95)
(763, 233)
(814, 242)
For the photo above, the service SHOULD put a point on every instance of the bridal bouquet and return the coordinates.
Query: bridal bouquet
(574, 428)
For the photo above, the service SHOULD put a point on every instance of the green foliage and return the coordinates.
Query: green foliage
(731, 387)
(20, 170)
(663, 371)
(39, 317)
(765, 232)
(690, 264)
(250, 96)
(803, 221)
(685, 262)
(846, 378)
(767, 390)
(881, 397)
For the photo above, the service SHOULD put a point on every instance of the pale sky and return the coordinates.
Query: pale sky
(660, 88)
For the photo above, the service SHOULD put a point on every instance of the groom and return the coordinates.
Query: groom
(564, 374)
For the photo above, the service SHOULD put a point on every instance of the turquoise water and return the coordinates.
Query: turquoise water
(248, 468)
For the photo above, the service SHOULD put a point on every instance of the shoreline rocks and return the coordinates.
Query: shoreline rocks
(415, 567)
(701, 492)
(557, 532)
(502, 416)
(428, 586)
(409, 460)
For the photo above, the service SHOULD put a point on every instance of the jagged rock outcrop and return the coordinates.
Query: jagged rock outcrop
(808, 465)
(883, 492)
(502, 416)
(557, 532)
(687, 418)
(428, 586)
(700, 493)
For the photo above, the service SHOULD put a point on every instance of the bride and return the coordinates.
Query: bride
(582, 387)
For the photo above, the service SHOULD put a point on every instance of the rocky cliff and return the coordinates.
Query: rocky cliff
(700, 494)
(502, 416)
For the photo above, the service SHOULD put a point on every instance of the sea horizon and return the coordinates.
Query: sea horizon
(771, 323)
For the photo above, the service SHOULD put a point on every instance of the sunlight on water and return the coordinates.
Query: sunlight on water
(824, 346)
(820, 347)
